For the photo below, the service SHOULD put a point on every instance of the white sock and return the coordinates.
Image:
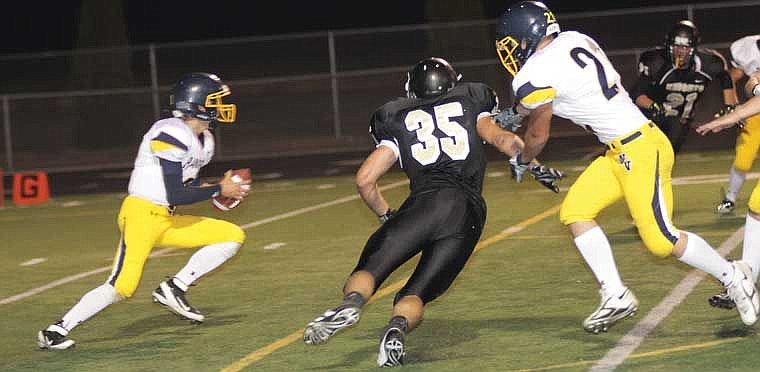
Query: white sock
(699, 254)
(735, 181)
(751, 247)
(595, 249)
(91, 303)
(203, 261)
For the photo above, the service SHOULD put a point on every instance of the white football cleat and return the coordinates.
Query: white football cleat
(323, 327)
(53, 340)
(742, 290)
(613, 308)
(391, 352)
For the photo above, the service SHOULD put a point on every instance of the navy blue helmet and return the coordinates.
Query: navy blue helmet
(519, 30)
(430, 77)
(199, 95)
(681, 43)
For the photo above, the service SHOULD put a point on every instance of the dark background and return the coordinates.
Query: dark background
(34, 26)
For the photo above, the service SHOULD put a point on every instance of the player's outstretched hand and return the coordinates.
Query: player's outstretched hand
(722, 120)
(234, 187)
(548, 177)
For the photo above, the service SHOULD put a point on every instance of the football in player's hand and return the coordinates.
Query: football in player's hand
(224, 203)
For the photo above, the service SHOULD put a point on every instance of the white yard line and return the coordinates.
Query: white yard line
(33, 262)
(278, 217)
(631, 341)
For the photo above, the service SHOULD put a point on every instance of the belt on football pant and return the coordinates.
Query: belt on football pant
(616, 144)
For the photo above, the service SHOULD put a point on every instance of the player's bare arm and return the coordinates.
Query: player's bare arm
(743, 111)
(505, 141)
(537, 132)
(374, 167)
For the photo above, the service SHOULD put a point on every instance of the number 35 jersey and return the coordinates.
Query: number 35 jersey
(574, 74)
(436, 140)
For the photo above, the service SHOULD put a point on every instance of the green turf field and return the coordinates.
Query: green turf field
(518, 305)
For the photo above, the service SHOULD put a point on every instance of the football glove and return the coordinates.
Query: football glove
(727, 110)
(509, 119)
(517, 168)
(656, 112)
(386, 216)
(548, 177)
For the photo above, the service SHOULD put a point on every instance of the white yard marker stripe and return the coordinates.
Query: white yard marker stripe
(65, 280)
(33, 261)
(273, 246)
(301, 211)
(278, 217)
(634, 337)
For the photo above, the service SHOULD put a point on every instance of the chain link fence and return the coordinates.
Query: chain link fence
(296, 93)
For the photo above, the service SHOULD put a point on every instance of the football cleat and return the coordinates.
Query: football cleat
(742, 290)
(391, 348)
(53, 340)
(722, 300)
(173, 298)
(613, 308)
(323, 327)
(725, 206)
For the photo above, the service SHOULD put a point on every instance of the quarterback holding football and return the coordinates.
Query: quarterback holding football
(165, 175)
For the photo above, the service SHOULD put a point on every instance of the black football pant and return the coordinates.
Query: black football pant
(443, 224)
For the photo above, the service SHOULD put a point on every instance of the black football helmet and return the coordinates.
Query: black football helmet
(681, 43)
(430, 77)
(199, 95)
(519, 30)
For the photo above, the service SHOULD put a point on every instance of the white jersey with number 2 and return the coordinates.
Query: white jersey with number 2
(574, 74)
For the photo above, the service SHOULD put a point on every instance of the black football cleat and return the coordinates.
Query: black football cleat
(173, 298)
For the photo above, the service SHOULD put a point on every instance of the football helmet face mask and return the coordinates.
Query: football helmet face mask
(200, 95)
(430, 77)
(519, 30)
(681, 44)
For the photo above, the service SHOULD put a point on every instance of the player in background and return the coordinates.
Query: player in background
(165, 175)
(436, 134)
(567, 74)
(745, 60)
(673, 78)
(745, 55)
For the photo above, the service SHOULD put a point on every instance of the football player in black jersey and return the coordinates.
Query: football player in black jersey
(672, 79)
(436, 133)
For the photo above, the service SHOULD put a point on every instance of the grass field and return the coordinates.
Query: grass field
(518, 305)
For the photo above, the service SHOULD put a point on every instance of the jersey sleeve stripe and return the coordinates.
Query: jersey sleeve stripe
(390, 144)
(531, 96)
(158, 146)
(166, 138)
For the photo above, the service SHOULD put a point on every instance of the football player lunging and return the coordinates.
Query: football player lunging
(165, 175)
(567, 74)
(745, 58)
(673, 79)
(745, 54)
(436, 134)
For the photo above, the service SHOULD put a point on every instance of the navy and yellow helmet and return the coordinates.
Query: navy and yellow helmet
(430, 77)
(200, 95)
(681, 43)
(519, 30)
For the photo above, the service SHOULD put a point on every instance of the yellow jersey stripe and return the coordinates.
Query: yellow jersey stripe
(539, 96)
(158, 146)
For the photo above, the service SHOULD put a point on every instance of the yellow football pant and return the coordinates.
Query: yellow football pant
(747, 145)
(636, 167)
(145, 225)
